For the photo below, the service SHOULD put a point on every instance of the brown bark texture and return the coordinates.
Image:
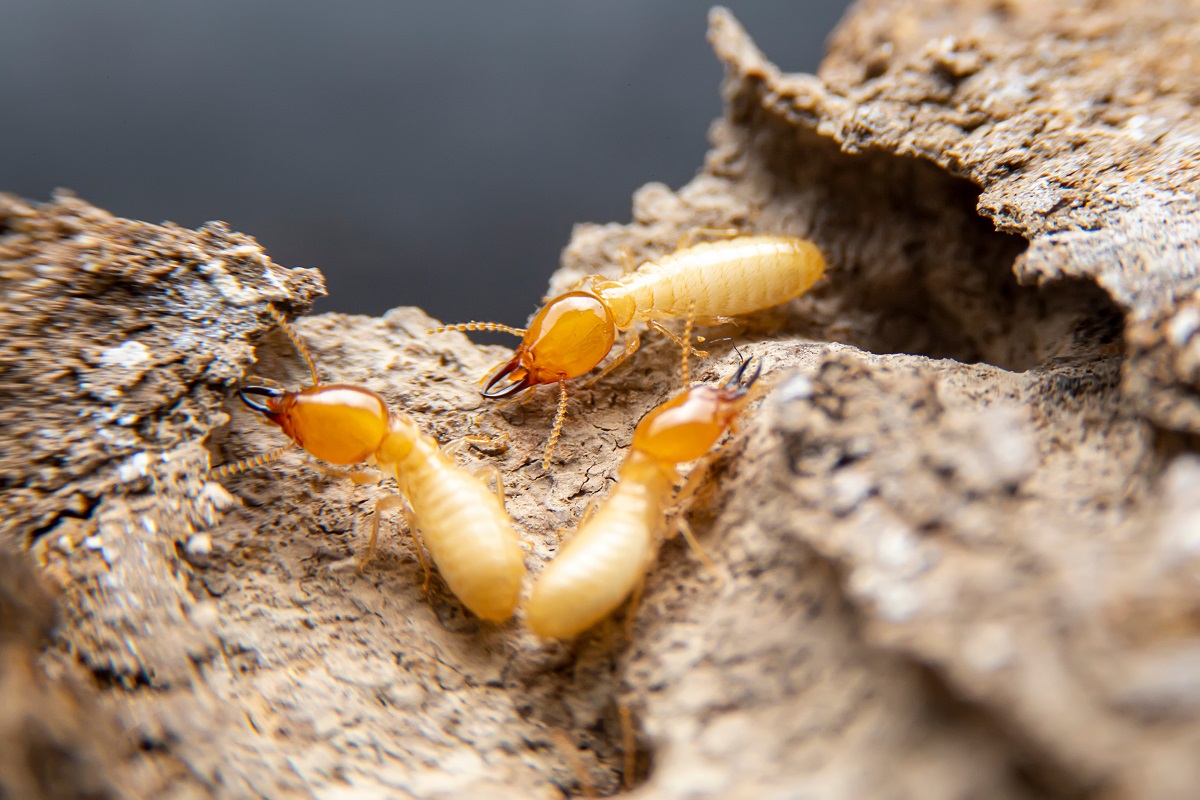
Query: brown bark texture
(957, 544)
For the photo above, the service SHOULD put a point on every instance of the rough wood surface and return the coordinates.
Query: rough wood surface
(958, 544)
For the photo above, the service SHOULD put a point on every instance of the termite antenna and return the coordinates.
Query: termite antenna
(556, 431)
(243, 464)
(463, 327)
(687, 342)
(296, 341)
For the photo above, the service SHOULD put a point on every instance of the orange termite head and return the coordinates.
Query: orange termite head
(568, 337)
(336, 423)
(687, 426)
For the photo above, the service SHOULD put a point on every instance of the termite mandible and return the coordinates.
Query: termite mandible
(607, 558)
(449, 511)
(707, 283)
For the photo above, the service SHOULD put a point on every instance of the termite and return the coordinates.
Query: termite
(450, 511)
(606, 560)
(708, 284)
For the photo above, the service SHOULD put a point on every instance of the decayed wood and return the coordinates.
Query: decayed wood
(957, 543)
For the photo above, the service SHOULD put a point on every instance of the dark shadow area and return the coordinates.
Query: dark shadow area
(434, 155)
(913, 266)
(1028, 768)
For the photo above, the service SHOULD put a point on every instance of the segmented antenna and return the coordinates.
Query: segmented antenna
(687, 342)
(555, 431)
(296, 341)
(463, 327)
(243, 464)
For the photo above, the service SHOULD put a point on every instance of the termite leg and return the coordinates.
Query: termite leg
(695, 478)
(556, 430)
(695, 234)
(381, 505)
(631, 346)
(587, 283)
(462, 327)
(681, 524)
(719, 320)
(363, 476)
(296, 341)
(676, 338)
(410, 519)
(489, 444)
(243, 464)
(456, 446)
(634, 602)
(488, 473)
(629, 744)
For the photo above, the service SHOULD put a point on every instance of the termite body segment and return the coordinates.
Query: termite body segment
(606, 559)
(457, 517)
(715, 280)
(461, 521)
(602, 565)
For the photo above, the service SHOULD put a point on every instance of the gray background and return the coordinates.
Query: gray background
(420, 154)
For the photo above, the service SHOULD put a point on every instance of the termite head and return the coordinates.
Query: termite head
(687, 426)
(336, 423)
(568, 337)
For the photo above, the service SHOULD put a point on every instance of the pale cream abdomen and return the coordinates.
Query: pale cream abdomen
(724, 278)
(598, 568)
(468, 535)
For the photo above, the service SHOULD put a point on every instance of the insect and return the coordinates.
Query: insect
(606, 560)
(450, 511)
(707, 283)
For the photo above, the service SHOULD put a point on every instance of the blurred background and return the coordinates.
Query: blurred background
(429, 154)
